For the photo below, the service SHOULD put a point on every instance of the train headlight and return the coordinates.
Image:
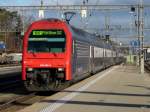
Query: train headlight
(60, 69)
(29, 69)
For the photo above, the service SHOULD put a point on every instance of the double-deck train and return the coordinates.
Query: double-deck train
(56, 54)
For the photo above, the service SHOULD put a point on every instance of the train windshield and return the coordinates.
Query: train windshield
(44, 41)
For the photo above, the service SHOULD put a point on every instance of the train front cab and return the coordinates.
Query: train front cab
(46, 56)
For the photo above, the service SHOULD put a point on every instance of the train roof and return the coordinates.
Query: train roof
(81, 35)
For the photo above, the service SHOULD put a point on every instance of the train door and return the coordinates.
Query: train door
(91, 65)
(74, 59)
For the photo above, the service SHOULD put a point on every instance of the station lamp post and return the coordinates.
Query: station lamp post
(140, 32)
(136, 15)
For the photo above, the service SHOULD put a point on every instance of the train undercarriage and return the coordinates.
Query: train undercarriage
(43, 79)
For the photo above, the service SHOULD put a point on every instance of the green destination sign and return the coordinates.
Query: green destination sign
(47, 33)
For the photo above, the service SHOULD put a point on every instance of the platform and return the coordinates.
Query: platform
(118, 89)
(9, 70)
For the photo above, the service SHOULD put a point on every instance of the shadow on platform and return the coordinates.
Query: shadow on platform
(136, 86)
(108, 93)
(114, 104)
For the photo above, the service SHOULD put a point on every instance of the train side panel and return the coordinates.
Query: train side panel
(80, 59)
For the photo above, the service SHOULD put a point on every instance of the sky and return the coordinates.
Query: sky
(51, 2)
(97, 19)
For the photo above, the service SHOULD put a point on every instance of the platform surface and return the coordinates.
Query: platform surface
(118, 89)
(10, 70)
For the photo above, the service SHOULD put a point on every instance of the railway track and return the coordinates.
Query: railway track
(10, 81)
(19, 95)
(8, 85)
(14, 101)
(12, 92)
(20, 99)
(9, 65)
(20, 102)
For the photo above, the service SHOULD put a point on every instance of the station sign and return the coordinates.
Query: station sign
(135, 43)
(2, 45)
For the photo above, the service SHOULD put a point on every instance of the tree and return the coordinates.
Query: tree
(10, 28)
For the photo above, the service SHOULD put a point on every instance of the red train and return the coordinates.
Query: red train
(56, 54)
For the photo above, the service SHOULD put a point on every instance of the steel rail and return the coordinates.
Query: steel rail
(16, 100)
